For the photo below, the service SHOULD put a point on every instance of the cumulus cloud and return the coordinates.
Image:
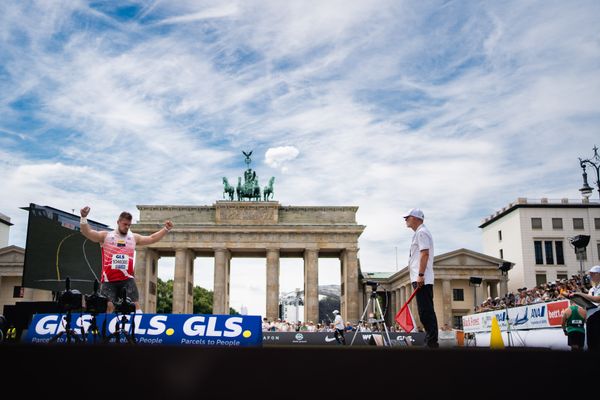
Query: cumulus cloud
(277, 157)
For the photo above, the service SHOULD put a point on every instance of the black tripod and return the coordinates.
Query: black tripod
(378, 322)
(95, 304)
(124, 307)
(68, 301)
(70, 334)
(120, 331)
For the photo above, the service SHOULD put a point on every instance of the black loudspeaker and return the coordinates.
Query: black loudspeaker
(475, 280)
(580, 241)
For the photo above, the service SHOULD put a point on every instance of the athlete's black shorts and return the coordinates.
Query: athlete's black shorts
(576, 339)
(112, 290)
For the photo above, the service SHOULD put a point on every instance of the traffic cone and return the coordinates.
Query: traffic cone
(496, 341)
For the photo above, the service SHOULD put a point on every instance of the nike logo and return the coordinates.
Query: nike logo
(329, 339)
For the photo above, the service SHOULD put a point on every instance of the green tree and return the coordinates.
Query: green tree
(164, 298)
(326, 306)
(203, 299)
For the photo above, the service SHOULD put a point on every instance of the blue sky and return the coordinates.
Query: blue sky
(454, 107)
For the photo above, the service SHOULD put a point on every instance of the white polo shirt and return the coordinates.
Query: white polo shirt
(422, 240)
(594, 291)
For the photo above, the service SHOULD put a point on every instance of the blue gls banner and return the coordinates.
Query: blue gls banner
(186, 329)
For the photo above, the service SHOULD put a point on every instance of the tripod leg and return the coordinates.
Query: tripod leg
(385, 330)
(362, 318)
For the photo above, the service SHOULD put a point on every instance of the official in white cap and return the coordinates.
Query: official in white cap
(338, 324)
(592, 325)
(420, 265)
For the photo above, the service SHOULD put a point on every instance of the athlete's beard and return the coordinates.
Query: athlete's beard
(123, 233)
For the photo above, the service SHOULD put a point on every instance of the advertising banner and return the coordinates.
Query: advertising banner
(531, 316)
(327, 338)
(185, 329)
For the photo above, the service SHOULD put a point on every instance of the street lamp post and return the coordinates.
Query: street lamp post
(587, 190)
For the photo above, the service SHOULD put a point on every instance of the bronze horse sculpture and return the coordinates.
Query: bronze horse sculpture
(227, 188)
(268, 190)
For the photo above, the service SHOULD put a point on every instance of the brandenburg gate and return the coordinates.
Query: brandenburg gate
(263, 229)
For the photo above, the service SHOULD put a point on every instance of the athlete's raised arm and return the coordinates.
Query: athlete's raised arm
(94, 236)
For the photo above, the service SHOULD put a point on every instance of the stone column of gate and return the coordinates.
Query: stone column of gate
(311, 285)
(189, 307)
(152, 272)
(228, 257)
(447, 302)
(180, 281)
(350, 267)
(273, 284)
(141, 276)
(221, 283)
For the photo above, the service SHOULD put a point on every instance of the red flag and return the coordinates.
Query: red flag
(404, 317)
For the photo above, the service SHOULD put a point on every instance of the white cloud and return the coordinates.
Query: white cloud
(276, 157)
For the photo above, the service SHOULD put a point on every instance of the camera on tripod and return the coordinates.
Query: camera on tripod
(95, 303)
(374, 285)
(70, 300)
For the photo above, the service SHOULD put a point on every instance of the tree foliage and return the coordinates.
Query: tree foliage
(203, 299)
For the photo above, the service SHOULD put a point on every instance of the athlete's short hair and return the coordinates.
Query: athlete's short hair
(125, 215)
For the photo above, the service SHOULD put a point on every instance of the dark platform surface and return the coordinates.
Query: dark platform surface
(135, 371)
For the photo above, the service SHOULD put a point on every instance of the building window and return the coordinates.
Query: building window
(597, 223)
(549, 252)
(557, 223)
(499, 236)
(502, 254)
(458, 295)
(560, 257)
(562, 275)
(18, 292)
(544, 252)
(539, 258)
(536, 223)
(578, 223)
(540, 278)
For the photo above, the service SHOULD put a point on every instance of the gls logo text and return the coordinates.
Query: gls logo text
(195, 326)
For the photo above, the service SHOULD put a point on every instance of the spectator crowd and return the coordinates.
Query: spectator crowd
(551, 291)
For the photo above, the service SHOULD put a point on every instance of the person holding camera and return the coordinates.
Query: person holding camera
(592, 325)
(420, 265)
(118, 249)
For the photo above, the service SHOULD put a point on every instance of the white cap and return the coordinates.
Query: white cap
(336, 312)
(595, 268)
(415, 212)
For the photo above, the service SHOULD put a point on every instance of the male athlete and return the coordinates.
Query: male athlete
(118, 249)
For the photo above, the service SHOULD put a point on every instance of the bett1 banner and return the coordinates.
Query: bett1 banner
(531, 316)
(185, 329)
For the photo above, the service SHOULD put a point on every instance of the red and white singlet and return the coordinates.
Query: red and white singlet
(117, 256)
